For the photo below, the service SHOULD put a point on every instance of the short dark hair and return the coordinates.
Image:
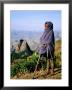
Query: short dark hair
(50, 24)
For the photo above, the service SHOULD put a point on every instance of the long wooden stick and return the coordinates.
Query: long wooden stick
(36, 67)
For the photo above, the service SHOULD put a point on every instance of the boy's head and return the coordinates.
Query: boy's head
(48, 25)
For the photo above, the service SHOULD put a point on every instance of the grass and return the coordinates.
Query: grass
(23, 68)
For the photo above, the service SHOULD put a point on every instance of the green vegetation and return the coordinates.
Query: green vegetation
(24, 65)
(14, 69)
(21, 62)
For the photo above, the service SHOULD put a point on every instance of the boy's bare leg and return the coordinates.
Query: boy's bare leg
(48, 63)
(52, 66)
(42, 64)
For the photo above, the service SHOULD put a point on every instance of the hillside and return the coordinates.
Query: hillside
(23, 68)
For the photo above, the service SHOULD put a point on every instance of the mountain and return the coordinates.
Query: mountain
(20, 49)
(31, 37)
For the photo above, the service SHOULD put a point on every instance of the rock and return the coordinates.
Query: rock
(21, 47)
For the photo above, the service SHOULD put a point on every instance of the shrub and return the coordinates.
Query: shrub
(24, 65)
(14, 56)
(20, 55)
(57, 60)
(14, 69)
(28, 64)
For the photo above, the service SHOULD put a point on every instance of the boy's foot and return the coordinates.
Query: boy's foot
(52, 72)
(48, 71)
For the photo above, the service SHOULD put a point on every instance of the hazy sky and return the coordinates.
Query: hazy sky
(34, 19)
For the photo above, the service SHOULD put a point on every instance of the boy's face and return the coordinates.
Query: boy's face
(46, 26)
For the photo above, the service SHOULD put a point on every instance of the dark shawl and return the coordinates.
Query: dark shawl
(48, 40)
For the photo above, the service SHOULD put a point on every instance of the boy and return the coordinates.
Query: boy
(47, 45)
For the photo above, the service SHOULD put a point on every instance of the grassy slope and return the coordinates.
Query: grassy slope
(43, 74)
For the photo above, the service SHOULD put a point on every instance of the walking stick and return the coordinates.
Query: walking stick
(36, 67)
(47, 61)
(38, 63)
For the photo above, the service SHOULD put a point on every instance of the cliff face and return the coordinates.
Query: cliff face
(21, 47)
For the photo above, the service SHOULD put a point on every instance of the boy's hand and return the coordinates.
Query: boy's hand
(44, 45)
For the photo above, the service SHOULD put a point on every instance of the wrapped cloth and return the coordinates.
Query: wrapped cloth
(47, 42)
